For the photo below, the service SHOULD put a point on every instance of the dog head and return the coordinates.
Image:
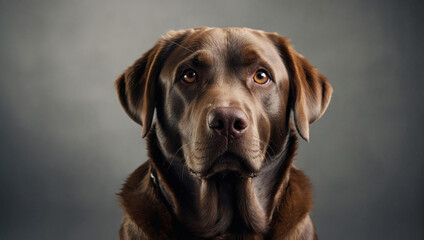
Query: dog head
(223, 97)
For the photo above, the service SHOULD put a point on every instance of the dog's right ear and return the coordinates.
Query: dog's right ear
(136, 85)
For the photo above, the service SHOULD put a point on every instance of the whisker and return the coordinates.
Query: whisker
(181, 46)
(173, 157)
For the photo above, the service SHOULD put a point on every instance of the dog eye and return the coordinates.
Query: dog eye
(261, 77)
(189, 76)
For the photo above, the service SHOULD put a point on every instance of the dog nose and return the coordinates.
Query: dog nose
(228, 121)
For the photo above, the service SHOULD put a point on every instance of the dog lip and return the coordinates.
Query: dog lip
(228, 162)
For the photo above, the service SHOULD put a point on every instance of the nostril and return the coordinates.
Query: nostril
(217, 124)
(240, 125)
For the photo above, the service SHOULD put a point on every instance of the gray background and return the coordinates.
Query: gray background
(66, 145)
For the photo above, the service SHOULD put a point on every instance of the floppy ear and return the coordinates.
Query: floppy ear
(310, 90)
(136, 85)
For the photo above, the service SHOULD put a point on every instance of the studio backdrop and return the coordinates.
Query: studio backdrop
(66, 145)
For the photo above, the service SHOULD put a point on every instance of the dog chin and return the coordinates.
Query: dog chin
(228, 166)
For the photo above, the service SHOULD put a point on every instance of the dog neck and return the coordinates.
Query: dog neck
(221, 206)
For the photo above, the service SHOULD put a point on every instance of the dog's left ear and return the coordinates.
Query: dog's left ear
(310, 90)
(136, 85)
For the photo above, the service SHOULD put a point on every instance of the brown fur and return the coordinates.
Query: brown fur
(199, 182)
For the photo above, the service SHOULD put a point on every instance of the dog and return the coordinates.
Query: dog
(222, 145)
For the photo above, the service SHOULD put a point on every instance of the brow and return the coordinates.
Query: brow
(249, 57)
(201, 58)
(253, 58)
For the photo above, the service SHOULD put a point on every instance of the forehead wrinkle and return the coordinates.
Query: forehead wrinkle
(200, 59)
(254, 56)
(209, 43)
(250, 55)
(244, 49)
(269, 55)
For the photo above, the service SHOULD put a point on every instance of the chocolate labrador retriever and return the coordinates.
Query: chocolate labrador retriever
(222, 146)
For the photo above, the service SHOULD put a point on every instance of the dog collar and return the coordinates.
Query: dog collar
(161, 189)
(153, 176)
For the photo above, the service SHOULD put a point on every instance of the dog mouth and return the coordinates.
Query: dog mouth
(228, 165)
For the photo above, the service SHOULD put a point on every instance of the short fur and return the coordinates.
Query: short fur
(200, 181)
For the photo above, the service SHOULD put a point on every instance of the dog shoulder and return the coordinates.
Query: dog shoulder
(291, 219)
(146, 216)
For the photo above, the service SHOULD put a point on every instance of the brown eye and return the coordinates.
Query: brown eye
(189, 76)
(261, 77)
